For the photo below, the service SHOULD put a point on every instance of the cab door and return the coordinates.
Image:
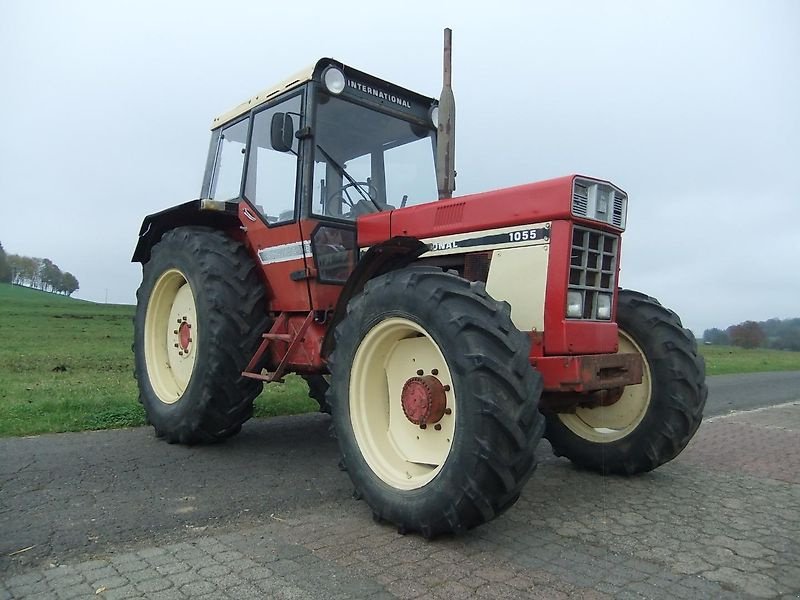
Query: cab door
(270, 211)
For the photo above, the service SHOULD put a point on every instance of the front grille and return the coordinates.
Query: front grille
(593, 266)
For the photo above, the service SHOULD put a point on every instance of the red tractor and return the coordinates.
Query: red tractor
(444, 335)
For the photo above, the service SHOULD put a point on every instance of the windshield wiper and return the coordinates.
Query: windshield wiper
(349, 178)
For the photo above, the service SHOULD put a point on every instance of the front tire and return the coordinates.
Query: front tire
(200, 311)
(653, 421)
(411, 338)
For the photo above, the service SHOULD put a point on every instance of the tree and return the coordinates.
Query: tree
(50, 276)
(5, 268)
(69, 284)
(747, 335)
(716, 336)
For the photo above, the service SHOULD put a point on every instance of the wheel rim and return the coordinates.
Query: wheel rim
(170, 336)
(604, 424)
(401, 453)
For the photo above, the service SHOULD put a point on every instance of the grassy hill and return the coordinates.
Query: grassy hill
(67, 365)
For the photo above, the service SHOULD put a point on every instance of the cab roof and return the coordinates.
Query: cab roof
(302, 77)
(294, 81)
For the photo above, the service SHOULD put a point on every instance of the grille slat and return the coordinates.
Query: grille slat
(593, 267)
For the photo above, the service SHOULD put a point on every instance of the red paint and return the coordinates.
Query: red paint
(294, 291)
(424, 400)
(184, 335)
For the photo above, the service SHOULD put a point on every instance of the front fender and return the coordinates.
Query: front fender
(207, 213)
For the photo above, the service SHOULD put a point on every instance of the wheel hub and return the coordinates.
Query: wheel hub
(184, 336)
(424, 400)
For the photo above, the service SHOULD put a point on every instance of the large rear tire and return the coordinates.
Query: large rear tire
(653, 421)
(200, 312)
(412, 341)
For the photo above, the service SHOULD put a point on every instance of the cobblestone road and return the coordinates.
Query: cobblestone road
(721, 521)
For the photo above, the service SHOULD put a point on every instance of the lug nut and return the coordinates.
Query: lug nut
(446, 388)
(184, 318)
(180, 352)
(435, 372)
(189, 325)
(175, 331)
(420, 372)
(176, 344)
(448, 411)
(423, 426)
(437, 427)
(179, 321)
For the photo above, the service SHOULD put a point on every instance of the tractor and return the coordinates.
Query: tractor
(445, 335)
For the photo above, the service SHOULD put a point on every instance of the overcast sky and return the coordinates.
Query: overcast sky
(692, 107)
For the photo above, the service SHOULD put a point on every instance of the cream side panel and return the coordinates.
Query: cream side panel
(519, 276)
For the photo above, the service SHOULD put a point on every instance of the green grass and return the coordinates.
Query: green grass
(67, 365)
(724, 360)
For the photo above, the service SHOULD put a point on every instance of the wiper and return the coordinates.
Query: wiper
(349, 178)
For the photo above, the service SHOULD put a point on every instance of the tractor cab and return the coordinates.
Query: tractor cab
(331, 143)
(304, 159)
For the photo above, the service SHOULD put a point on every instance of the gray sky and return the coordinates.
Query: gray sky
(692, 107)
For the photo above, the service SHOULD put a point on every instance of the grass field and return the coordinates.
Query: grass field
(725, 360)
(67, 365)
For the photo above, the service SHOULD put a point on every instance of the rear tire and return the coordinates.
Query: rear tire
(200, 312)
(422, 322)
(653, 421)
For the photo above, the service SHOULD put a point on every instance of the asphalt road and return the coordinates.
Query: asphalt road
(69, 497)
(751, 390)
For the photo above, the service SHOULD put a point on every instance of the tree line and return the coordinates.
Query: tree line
(39, 273)
(779, 334)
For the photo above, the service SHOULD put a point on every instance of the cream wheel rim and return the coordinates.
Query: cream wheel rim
(402, 454)
(170, 336)
(604, 424)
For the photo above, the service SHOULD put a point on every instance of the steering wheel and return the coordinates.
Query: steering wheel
(345, 195)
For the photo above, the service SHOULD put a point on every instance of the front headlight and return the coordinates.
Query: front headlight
(435, 116)
(334, 80)
(574, 304)
(604, 306)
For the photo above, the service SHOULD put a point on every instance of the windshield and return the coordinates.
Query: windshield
(366, 161)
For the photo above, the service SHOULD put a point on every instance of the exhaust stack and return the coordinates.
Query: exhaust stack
(446, 138)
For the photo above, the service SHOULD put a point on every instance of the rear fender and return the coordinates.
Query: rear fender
(207, 213)
(390, 255)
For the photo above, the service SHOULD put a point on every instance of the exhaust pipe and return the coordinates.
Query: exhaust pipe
(446, 138)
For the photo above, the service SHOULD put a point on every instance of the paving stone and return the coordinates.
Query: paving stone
(120, 593)
(154, 585)
(198, 588)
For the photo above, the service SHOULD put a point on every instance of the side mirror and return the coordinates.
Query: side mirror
(281, 132)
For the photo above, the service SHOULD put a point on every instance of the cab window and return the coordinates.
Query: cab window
(226, 182)
(271, 181)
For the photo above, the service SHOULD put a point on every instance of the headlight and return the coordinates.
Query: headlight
(334, 80)
(603, 306)
(435, 116)
(574, 304)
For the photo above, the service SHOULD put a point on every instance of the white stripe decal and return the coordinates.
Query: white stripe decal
(285, 252)
(489, 239)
